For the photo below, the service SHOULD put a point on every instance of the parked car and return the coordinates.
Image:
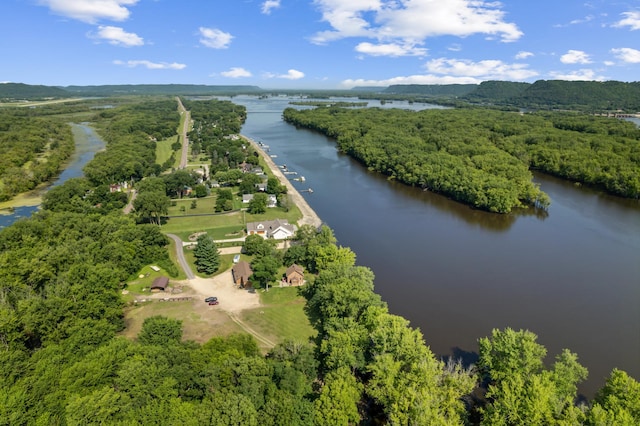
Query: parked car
(211, 299)
(236, 258)
(213, 302)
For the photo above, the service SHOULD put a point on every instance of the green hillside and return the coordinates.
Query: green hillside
(19, 91)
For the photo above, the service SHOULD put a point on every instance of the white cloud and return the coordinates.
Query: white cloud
(290, 75)
(575, 57)
(410, 22)
(411, 79)
(117, 36)
(580, 75)
(390, 49)
(215, 38)
(268, 5)
(481, 70)
(151, 65)
(91, 11)
(523, 55)
(627, 54)
(236, 72)
(455, 71)
(631, 20)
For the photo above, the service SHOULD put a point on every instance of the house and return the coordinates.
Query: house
(278, 229)
(160, 284)
(294, 275)
(272, 201)
(241, 272)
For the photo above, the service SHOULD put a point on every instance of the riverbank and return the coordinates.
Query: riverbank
(34, 197)
(309, 216)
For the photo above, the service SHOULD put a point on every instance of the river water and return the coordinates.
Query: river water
(87, 144)
(571, 276)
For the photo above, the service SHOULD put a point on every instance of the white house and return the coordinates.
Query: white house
(278, 229)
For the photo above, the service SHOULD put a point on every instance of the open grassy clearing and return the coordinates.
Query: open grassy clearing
(164, 151)
(282, 317)
(200, 322)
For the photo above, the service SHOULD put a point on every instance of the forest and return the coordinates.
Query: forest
(483, 157)
(64, 362)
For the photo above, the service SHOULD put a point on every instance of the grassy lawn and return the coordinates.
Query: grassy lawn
(164, 151)
(282, 317)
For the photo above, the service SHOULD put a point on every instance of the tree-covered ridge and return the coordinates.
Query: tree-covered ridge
(581, 95)
(431, 89)
(20, 91)
(589, 96)
(481, 157)
(160, 89)
(32, 151)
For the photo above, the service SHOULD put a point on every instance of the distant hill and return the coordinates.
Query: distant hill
(18, 91)
(594, 95)
(160, 89)
(368, 89)
(494, 90)
(591, 96)
(431, 89)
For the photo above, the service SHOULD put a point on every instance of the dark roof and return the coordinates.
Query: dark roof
(160, 282)
(241, 269)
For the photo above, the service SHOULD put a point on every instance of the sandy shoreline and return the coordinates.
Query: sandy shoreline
(309, 216)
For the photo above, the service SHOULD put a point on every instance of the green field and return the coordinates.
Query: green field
(281, 317)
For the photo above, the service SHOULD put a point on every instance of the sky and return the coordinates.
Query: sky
(317, 44)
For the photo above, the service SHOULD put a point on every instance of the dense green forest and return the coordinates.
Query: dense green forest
(32, 150)
(62, 361)
(482, 157)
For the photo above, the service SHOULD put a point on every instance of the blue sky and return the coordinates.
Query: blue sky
(317, 44)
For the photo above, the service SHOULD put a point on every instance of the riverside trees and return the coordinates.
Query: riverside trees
(482, 157)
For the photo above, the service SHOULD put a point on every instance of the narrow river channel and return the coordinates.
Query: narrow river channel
(87, 144)
(571, 276)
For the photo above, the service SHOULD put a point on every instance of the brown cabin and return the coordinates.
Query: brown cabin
(160, 284)
(294, 275)
(241, 272)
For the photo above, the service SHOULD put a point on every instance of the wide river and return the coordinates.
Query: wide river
(572, 276)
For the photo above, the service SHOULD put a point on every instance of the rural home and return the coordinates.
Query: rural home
(241, 272)
(278, 229)
(160, 284)
(272, 201)
(294, 275)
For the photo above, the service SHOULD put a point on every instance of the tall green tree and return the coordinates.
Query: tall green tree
(207, 255)
(151, 206)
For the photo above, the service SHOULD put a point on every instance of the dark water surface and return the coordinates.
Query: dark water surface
(572, 276)
(87, 144)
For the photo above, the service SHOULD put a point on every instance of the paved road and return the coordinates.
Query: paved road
(183, 262)
(185, 129)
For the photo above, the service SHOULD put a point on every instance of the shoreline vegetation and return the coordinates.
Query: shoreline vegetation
(483, 158)
(62, 303)
(34, 197)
